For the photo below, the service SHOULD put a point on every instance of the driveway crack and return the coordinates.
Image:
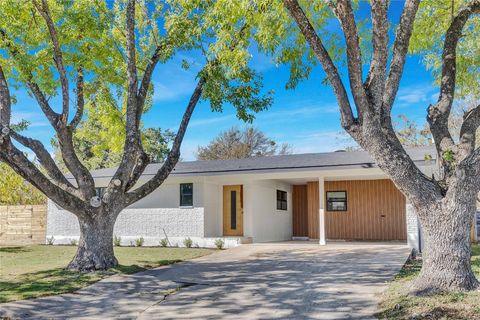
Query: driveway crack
(168, 293)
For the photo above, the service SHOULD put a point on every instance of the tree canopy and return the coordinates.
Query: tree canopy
(75, 55)
(14, 190)
(99, 137)
(238, 144)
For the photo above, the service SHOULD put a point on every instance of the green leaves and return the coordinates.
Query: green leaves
(432, 21)
(448, 156)
(14, 190)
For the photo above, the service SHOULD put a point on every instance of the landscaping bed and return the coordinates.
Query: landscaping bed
(397, 304)
(35, 271)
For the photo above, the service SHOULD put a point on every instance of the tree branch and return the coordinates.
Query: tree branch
(134, 158)
(64, 133)
(470, 166)
(19, 162)
(57, 52)
(45, 160)
(470, 125)
(132, 107)
(146, 80)
(375, 82)
(344, 11)
(51, 115)
(400, 50)
(80, 99)
(347, 118)
(439, 114)
(5, 111)
(174, 153)
(25, 168)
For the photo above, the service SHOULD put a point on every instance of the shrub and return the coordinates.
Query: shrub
(164, 243)
(188, 242)
(139, 242)
(117, 241)
(220, 243)
(73, 242)
(50, 240)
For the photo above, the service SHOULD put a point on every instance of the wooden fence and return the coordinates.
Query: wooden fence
(23, 225)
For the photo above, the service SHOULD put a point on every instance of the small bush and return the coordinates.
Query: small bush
(139, 242)
(219, 243)
(188, 242)
(164, 243)
(117, 241)
(50, 241)
(73, 242)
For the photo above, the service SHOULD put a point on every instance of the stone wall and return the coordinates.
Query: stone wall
(22, 225)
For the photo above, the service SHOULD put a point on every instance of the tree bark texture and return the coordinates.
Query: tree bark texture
(95, 247)
(447, 252)
(445, 203)
(96, 215)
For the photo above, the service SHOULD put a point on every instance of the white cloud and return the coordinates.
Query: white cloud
(416, 94)
(173, 90)
(304, 111)
(36, 119)
(212, 120)
(316, 141)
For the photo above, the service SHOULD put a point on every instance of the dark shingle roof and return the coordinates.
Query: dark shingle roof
(293, 162)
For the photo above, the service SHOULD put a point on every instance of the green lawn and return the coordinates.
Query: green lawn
(34, 271)
(442, 306)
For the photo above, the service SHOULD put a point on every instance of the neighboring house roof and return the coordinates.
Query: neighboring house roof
(293, 162)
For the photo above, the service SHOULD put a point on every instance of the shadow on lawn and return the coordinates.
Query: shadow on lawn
(14, 249)
(46, 282)
(57, 281)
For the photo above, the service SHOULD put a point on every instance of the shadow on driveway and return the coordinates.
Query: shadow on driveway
(291, 280)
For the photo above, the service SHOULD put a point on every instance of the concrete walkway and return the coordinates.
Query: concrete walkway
(291, 280)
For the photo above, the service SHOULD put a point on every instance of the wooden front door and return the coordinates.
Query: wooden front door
(233, 210)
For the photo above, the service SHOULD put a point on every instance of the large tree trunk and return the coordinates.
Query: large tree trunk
(447, 252)
(95, 248)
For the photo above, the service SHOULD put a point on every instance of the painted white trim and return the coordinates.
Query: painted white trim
(321, 220)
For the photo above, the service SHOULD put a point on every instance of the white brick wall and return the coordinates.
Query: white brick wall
(133, 223)
(413, 228)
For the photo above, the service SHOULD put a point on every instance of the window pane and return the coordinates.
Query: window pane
(337, 201)
(187, 200)
(281, 200)
(186, 194)
(233, 210)
(337, 194)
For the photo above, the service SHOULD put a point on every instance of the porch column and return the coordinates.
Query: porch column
(321, 206)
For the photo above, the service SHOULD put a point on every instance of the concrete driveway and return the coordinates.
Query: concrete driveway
(290, 280)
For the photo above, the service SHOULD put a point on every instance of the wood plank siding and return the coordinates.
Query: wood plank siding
(376, 210)
(300, 211)
(23, 225)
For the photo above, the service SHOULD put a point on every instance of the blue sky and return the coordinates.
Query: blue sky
(307, 118)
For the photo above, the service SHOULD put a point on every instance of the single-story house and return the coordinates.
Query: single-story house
(322, 196)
